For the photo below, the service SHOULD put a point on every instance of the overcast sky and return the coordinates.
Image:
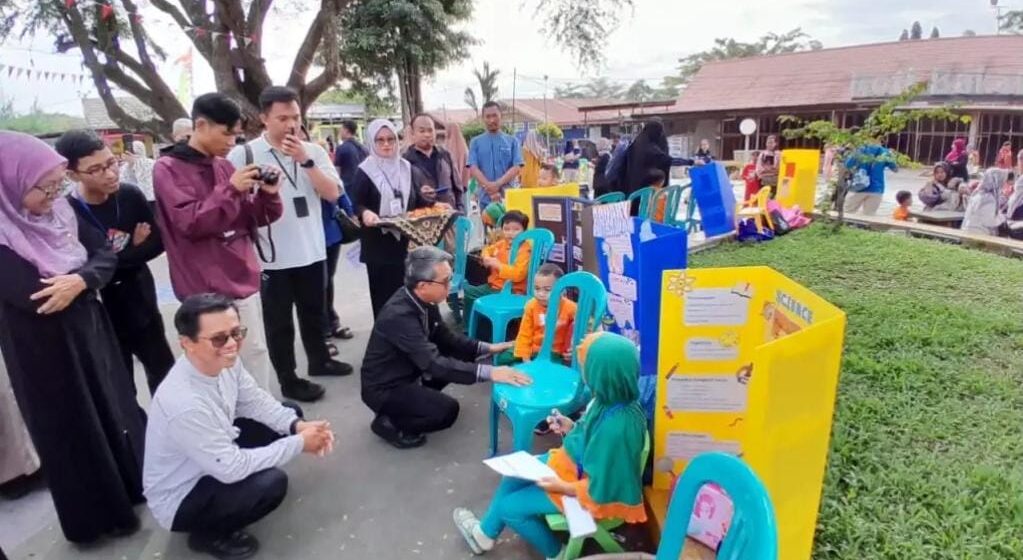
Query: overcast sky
(646, 43)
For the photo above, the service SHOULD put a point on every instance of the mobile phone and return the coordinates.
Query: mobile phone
(128, 140)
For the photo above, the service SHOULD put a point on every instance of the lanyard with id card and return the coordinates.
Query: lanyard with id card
(397, 207)
(300, 202)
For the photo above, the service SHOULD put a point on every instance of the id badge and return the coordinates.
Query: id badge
(301, 206)
(396, 208)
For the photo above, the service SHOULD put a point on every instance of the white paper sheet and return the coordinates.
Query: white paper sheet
(580, 522)
(716, 306)
(520, 465)
(557, 253)
(548, 212)
(709, 350)
(683, 446)
(623, 286)
(612, 219)
(623, 311)
(706, 393)
(617, 250)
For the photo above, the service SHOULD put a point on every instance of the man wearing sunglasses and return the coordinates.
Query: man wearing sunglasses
(215, 441)
(412, 355)
(121, 214)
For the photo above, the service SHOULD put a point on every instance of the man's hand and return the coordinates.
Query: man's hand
(498, 347)
(369, 218)
(316, 441)
(142, 231)
(556, 485)
(302, 426)
(294, 148)
(61, 291)
(510, 376)
(243, 178)
(491, 262)
(428, 193)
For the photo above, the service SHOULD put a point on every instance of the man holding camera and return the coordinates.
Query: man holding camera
(293, 249)
(207, 211)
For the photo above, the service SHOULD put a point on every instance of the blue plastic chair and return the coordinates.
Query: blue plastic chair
(610, 197)
(644, 196)
(554, 385)
(753, 534)
(463, 229)
(504, 307)
(603, 536)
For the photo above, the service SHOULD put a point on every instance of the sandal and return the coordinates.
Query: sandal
(344, 333)
(465, 520)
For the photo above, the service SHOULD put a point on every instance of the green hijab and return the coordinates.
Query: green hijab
(607, 443)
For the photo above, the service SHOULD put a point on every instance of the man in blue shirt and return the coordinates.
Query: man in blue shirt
(349, 153)
(495, 158)
(872, 160)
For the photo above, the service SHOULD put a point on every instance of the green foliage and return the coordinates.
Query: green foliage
(375, 102)
(603, 88)
(888, 119)
(37, 122)
(1010, 21)
(581, 28)
(487, 80)
(926, 443)
(378, 36)
(727, 49)
(550, 130)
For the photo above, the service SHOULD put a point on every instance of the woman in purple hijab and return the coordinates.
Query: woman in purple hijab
(59, 347)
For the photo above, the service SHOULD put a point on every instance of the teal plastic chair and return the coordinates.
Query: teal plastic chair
(603, 536)
(691, 223)
(644, 196)
(672, 199)
(610, 197)
(504, 307)
(753, 534)
(555, 385)
(463, 229)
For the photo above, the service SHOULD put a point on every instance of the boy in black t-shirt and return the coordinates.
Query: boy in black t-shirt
(121, 212)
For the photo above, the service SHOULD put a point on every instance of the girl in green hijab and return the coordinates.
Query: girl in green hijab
(600, 462)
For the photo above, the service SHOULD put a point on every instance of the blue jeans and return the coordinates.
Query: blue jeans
(522, 505)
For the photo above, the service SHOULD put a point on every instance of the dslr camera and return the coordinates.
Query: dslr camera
(268, 176)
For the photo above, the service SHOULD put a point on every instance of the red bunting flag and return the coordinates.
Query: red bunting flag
(70, 3)
(106, 11)
(137, 18)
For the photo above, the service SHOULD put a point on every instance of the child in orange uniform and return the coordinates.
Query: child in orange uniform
(534, 318)
(905, 200)
(655, 178)
(497, 258)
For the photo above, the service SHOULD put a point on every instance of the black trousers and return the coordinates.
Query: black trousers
(420, 409)
(149, 345)
(384, 280)
(333, 254)
(215, 508)
(301, 289)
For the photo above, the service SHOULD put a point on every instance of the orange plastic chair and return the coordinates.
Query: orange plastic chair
(755, 208)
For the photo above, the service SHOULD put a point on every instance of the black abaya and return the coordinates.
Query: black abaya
(648, 151)
(71, 385)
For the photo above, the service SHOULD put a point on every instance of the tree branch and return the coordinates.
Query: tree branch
(197, 18)
(257, 14)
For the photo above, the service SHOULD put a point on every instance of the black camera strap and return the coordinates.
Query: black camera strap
(254, 230)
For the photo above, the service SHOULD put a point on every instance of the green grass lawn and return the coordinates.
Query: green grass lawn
(927, 448)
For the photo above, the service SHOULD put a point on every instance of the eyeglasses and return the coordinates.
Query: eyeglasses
(220, 339)
(385, 141)
(50, 191)
(444, 282)
(100, 168)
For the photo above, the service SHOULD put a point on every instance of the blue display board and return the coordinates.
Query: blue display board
(714, 197)
(632, 257)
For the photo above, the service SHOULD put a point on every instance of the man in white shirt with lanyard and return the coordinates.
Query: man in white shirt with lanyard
(293, 250)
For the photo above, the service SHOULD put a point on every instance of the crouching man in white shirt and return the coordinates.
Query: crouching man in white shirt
(205, 474)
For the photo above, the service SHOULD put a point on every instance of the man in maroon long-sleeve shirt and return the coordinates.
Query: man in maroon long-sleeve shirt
(208, 213)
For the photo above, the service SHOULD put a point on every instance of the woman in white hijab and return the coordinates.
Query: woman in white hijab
(382, 188)
(138, 169)
(983, 215)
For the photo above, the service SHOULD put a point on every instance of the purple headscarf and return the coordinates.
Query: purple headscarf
(50, 241)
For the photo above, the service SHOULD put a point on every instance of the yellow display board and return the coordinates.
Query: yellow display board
(748, 364)
(522, 199)
(797, 178)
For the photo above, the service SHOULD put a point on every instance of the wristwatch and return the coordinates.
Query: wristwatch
(308, 164)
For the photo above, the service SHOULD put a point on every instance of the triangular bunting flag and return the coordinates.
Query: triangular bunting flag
(106, 11)
(10, 70)
(69, 3)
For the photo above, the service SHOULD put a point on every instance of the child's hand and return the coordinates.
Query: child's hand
(491, 262)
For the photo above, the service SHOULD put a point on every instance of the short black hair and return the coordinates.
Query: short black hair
(186, 319)
(903, 196)
(276, 94)
(217, 108)
(77, 144)
(350, 126)
(517, 217)
(418, 116)
(550, 269)
(490, 104)
(654, 176)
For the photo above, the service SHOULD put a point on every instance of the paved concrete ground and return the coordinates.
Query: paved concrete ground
(366, 501)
